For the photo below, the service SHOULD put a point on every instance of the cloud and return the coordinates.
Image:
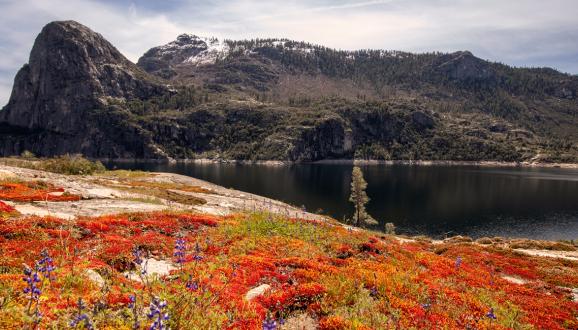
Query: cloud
(516, 32)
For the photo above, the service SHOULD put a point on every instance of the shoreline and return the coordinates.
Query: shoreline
(105, 194)
(362, 162)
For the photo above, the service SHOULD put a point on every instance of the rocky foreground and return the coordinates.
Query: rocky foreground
(123, 250)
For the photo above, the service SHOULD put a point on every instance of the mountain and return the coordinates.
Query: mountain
(280, 99)
(60, 102)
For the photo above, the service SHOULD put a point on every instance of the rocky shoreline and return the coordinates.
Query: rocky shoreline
(364, 162)
(117, 192)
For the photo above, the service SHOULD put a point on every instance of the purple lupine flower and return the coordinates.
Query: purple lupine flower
(37, 317)
(139, 261)
(197, 256)
(157, 314)
(81, 317)
(180, 250)
(131, 301)
(46, 265)
(132, 306)
(32, 279)
(269, 324)
(491, 314)
(373, 291)
(458, 262)
(192, 285)
(137, 254)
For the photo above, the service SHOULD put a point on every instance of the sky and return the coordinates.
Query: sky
(525, 33)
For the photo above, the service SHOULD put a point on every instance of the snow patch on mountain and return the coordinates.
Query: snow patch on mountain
(184, 42)
(214, 49)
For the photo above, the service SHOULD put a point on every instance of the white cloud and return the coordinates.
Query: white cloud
(518, 32)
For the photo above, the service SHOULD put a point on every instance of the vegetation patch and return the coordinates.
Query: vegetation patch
(174, 192)
(34, 191)
(95, 272)
(66, 164)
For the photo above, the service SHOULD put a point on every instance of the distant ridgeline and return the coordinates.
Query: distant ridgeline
(277, 99)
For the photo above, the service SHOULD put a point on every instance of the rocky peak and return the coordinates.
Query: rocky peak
(186, 49)
(71, 69)
(60, 101)
(463, 65)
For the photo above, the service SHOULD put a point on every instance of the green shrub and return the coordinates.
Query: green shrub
(390, 228)
(72, 164)
(27, 155)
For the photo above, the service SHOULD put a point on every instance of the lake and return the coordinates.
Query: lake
(539, 203)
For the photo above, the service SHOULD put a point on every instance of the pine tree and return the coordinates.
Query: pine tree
(359, 199)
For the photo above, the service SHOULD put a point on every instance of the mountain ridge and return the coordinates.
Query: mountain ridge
(277, 99)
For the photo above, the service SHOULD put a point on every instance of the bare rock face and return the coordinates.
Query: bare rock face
(464, 66)
(61, 99)
(161, 60)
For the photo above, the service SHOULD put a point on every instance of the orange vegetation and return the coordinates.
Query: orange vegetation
(34, 191)
(341, 279)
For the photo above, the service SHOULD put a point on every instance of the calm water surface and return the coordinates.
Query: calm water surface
(431, 200)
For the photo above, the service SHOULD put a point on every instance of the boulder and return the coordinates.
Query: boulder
(257, 291)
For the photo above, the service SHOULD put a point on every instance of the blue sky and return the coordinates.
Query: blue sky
(515, 32)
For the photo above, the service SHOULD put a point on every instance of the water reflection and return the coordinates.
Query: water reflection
(435, 200)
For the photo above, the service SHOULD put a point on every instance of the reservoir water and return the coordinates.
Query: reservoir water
(540, 203)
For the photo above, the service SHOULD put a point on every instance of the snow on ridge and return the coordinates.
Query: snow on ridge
(205, 51)
(183, 42)
(214, 49)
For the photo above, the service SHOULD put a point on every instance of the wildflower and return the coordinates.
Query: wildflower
(139, 261)
(137, 254)
(46, 265)
(491, 314)
(192, 285)
(32, 278)
(131, 301)
(180, 250)
(373, 292)
(81, 317)
(157, 314)
(197, 256)
(37, 317)
(132, 306)
(269, 324)
(458, 262)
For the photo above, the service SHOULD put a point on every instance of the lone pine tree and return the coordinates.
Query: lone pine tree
(359, 199)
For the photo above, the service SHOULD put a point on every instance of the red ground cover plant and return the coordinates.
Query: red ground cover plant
(6, 209)
(34, 191)
(341, 279)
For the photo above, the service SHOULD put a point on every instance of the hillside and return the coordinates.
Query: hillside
(90, 260)
(277, 99)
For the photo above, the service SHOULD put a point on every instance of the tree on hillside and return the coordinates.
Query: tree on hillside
(359, 199)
